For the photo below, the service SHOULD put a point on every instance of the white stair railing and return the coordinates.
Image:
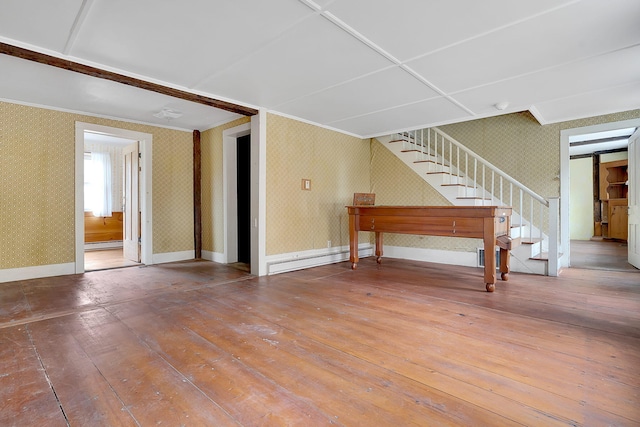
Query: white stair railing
(486, 183)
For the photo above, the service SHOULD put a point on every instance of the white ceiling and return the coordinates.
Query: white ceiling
(365, 67)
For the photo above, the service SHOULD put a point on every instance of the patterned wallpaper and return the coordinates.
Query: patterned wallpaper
(212, 186)
(37, 180)
(336, 164)
(37, 149)
(36, 187)
(172, 189)
(396, 184)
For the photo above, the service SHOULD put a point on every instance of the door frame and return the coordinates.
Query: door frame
(229, 189)
(565, 177)
(633, 243)
(257, 128)
(145, 192)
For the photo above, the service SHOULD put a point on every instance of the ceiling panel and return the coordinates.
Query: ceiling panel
(66, 90)
(311, 56)
(435, 111)
(374, 92)
(565, 35)
(46, 24)
(181, 42)
(598, 102)
(618, 68)
(407, 28)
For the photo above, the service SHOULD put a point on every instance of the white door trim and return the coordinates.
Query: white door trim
(565, 176)
(258, 129)
(146, 144)
(633, 239)
(230, 187)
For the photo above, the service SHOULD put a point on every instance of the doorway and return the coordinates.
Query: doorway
(243, 193)
(237, 193)
(111, 199)
(108, 251)
(610, 255)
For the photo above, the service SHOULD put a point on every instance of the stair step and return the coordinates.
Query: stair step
(473, 198)
(530, 241)
(541, 257)
(442, 172)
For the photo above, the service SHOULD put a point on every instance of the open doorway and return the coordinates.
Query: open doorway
(113, 197)
(237, 195)
(593, 227)
(243, 192)
(111, 200)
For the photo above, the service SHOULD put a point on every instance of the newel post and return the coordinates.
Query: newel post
(554, 237)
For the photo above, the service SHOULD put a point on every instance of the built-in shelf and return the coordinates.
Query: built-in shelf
(614, 189)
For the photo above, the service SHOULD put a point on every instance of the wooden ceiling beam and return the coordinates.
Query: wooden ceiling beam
(65, 64)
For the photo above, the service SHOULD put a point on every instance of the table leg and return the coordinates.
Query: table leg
(505, 254)
(378, 247)
(489, 255)
(353, 242)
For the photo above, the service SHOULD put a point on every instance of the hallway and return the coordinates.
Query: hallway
(600, 255)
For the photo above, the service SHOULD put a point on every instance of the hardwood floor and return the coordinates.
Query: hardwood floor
(600, 255)
(404, 343)
(106, 259)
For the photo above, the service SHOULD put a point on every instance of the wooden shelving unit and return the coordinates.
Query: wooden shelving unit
(613, 199)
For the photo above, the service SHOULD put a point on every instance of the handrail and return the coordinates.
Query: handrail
(510, 179)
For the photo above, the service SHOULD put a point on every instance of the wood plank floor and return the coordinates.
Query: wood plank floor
(405, 343)
(106, 259)
(600, 255)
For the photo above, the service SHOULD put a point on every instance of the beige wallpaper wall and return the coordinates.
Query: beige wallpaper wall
(37, 149)
(396, 184)
(212, 185)
(336, 164)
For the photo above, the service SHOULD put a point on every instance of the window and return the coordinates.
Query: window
(97, 183)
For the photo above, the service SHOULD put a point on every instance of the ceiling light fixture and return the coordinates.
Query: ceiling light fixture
(501, 105)
(167, 113)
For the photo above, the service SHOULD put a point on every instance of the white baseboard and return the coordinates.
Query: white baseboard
(36, 272)
(282, 263)
(213, 256)
(439, 256)
(173, 257)
(103, 245)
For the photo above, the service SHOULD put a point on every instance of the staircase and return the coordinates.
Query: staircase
(465, 179)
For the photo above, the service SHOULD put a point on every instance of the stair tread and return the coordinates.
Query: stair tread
(540, 257)
(476, 198)
(530, 241)
(443, 173)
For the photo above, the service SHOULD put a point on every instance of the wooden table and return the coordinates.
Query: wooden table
(490, 223)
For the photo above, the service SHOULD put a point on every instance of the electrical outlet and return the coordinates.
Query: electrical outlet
(328, 243)
(306, 184)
